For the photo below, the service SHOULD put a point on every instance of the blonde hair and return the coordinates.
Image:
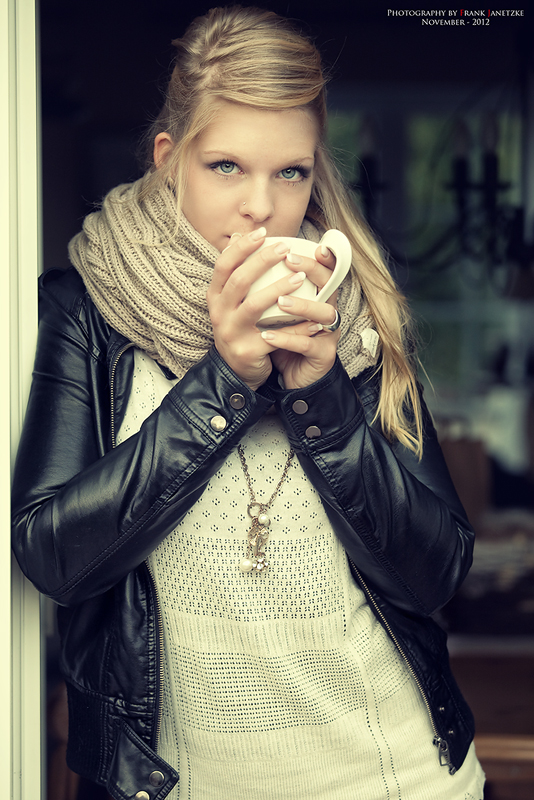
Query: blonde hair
(256, 58)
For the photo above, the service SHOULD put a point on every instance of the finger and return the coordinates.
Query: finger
(233, 238)
(254, 304)
(238, 249)
(321, 313)
(240, 267)
(237, 288)
(305, 344)
(325, 256)
(318, 273)
(235, 295)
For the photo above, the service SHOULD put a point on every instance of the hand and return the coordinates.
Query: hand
(234, 315)
(301, 353)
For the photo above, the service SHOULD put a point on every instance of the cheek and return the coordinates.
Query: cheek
(197, 191)
(196, 204)
(210, 202)
(296, 206)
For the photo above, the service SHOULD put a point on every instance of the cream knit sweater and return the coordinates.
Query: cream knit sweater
(280, 685)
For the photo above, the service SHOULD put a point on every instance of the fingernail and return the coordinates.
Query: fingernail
(281, 248)
(259, 234)
(325, 251)
(293, 258)
(285, 301)
(232, 237)
(297, 278)
(315, 327)
(268, 335)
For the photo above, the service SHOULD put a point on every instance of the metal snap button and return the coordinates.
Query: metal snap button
(218, 423)
(156, 778)
(300, 406)
(142, 796)
(313, 432)
(237, 401)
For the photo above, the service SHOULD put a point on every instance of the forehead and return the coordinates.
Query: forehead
(262, 132)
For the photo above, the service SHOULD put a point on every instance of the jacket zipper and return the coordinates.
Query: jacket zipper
(157, 606)
(438, 741)
(159, 705)
(112, 390)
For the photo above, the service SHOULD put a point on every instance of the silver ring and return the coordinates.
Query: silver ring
(335, 325)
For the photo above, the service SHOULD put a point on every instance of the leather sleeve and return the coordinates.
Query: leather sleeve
(399, 519)
(82, 520)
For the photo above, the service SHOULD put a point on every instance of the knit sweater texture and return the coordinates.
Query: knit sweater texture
(281, 684)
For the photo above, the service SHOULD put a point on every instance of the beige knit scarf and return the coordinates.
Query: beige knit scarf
(149, 280)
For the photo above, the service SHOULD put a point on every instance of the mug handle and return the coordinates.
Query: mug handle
(338, 243)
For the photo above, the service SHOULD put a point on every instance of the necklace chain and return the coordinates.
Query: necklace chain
(258, 534)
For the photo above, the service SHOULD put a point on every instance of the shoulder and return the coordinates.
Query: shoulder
(66, 307)
(63, 287)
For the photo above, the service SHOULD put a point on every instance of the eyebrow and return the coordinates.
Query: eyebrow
(230, 157)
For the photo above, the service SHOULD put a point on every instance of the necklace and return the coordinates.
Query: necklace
(254, 560)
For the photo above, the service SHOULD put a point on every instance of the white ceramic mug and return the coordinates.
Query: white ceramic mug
(336, 241)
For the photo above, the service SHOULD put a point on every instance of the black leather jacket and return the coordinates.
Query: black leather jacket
(86, 515)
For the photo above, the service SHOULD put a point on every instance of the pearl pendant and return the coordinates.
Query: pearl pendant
(246, 565)
(264, 520)
(253, 509)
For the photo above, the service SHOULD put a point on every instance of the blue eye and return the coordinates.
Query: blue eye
(226, 167)
(290, 173)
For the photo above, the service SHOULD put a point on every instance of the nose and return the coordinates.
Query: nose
(257, 203)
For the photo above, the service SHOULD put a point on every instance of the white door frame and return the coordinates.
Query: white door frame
(21, 742)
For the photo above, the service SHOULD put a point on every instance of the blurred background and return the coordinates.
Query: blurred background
(433, 127)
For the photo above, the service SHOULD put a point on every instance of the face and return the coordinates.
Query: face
(251, 168)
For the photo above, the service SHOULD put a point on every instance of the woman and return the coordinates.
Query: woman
(245, 596)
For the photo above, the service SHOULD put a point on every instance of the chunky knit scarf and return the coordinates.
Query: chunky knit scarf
(149, 279)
